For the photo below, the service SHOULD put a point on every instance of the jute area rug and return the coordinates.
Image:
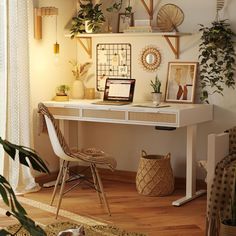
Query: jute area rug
(71, 220)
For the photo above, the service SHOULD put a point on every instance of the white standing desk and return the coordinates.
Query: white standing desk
(176, 115)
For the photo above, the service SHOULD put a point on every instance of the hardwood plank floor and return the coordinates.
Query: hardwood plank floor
(131, 211)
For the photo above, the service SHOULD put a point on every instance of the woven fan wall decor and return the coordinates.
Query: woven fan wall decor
(169, 17)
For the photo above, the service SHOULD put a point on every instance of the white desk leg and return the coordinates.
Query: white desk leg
(190, 168)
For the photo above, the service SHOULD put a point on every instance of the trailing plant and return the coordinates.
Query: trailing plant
(156, 85)
(116, 6)
(217, 59)
(27, 157)
(88, 11)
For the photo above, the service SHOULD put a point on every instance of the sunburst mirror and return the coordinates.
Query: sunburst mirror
(150, 58)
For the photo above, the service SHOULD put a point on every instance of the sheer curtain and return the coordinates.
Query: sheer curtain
(3, 73)
(16, 103)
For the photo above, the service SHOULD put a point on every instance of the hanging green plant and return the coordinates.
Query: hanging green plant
(117, 5)
(216, 58)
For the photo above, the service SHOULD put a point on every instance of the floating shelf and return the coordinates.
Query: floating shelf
(174, 44)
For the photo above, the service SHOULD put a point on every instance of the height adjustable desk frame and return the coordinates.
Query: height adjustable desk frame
(175, 116)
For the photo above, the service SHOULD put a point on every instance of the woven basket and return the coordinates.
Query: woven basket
(154, 176)
(227, 230)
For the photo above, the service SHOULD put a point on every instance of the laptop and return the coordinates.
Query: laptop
(118, 92)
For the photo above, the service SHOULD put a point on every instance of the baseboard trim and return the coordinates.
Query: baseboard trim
(117, 175)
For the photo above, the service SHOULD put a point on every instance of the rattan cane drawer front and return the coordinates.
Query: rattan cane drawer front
(153, 117)
(61, 111)
(103, 114)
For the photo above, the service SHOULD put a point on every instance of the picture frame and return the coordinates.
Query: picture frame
(181, 82)
(125, 21)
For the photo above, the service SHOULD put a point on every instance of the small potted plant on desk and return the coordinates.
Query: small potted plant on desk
(156, 94)
(61, 94)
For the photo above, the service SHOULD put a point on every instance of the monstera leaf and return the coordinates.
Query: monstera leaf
(27, 157)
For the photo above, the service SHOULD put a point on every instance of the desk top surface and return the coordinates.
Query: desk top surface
(143, 113)
(142, 106)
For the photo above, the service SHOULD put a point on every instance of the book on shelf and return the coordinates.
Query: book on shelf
(141, 29)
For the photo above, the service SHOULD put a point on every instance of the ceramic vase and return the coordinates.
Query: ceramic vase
(86, 25)
(156, 98)
(77, 91)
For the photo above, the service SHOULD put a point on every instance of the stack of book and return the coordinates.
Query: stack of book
(141, 29)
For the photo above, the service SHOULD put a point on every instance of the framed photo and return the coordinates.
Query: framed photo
(125, 21)
(181, 81)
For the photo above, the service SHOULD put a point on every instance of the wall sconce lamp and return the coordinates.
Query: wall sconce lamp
(38, 14)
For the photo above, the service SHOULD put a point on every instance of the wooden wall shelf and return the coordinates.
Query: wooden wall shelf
(172, 38)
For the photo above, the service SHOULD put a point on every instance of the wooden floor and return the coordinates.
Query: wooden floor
(131, 211)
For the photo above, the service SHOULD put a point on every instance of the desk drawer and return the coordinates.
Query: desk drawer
(60, 111)
(118, 115)
(152, 117)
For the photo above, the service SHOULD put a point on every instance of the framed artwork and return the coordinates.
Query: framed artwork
(125, 21)
(181, 81)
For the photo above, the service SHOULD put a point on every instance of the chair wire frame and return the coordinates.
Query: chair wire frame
(91, 156)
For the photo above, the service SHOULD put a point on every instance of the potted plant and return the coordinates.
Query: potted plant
(217, 59)
(80, 72)
(88, 20)
(156, 94)
(116, 6)
(62, 90)
(62, 93)
(27, 157)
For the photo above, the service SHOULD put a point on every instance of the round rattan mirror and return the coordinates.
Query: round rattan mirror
(150, 58)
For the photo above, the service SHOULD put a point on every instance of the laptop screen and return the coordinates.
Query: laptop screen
(119, 90)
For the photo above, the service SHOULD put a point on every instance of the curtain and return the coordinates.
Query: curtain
(3, 75)
(17, 103)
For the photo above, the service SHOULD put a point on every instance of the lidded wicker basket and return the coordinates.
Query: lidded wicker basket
(154, 176)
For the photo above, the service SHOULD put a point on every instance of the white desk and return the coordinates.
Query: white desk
(177, 115)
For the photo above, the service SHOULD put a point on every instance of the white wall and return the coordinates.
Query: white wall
(48, 71)
(122, 141)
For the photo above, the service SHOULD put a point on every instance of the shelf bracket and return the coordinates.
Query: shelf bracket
(149, 8)
(88, 46)
(174, 47)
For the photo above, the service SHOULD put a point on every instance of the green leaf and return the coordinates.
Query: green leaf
(25, 152)
(29, 224)
(3, 232)
(3, 193)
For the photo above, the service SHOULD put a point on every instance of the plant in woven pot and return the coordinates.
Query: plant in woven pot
(154, 176)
